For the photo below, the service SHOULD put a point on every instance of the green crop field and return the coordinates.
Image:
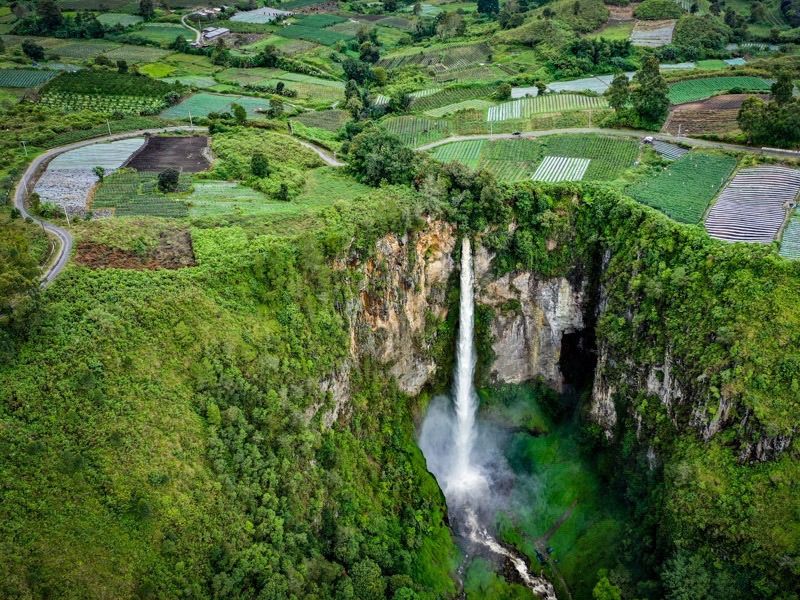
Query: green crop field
(467, 152)
(329, 120)
(417, 131)
(458, 106)
(134, 194)
(684, 190)
(293, 4)
(107, 92)
(790, 243)
(699, 89)
(82, 50)
(117, 126)
(326, 37)
(222, 197)
(321, 21)
(192, 80)
(201, 104)
(451, 96)
(517, 159)
(164, 33)
(137, 54)
(713, 63)
(551, 103)
(609, 155)
(111, 19)
(157, 70)
(25, 78)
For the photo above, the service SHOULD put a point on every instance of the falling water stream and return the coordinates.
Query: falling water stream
(448, 441)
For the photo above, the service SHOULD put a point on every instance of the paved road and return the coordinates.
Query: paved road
(623, 133)
(198, 34)
(64, 237)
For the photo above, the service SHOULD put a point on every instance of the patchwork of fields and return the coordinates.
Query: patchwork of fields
(684, 190)
(551, 103)
(200, 105)
(569, 157)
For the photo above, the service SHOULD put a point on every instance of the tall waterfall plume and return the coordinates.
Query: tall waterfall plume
(465, 466)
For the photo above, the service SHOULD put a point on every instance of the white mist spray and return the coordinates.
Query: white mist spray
(448, 441)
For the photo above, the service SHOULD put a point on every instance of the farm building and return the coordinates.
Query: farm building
(213, 33)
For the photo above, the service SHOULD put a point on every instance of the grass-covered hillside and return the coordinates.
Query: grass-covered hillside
(158, 435)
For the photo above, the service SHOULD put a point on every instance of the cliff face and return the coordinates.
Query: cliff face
(401, 289)
(530, 317)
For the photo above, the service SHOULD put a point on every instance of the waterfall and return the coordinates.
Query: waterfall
(448, 441)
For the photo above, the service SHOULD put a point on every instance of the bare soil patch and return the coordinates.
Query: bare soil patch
(173, 251)
(714, 115)
(621, 13)
(183, 153)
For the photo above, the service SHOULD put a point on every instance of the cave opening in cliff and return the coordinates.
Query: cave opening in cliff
(577, 363)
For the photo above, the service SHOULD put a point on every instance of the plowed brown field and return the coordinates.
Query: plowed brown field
(714, 115)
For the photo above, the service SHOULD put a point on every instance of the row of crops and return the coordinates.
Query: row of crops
(127, 105)
(479, 105)
(133, 194)
(790, 244)
(550, 103)
(699, 89)
(559, 157)
(752, 207)
(415, 131)
(684, 190)
(25, 78)
(329, 120)
(118, 126)
(453, 58)
(108, 83)
(433, 99)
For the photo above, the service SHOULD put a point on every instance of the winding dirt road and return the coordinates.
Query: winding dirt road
(64, 237)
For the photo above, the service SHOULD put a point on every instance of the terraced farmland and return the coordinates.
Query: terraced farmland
(561, 168)
(600, 158)
(25, 78)
(458, 106)
(713, 115)
(685, 189)
(133, 194)
(751, 208)
(329, 120)
(467, 153)
(105, 92)
(609, 155)
(652, 34)
(448, 59)
(790, 244)
(438, 98)
(699, 89)
(416, 131)
(551, 103)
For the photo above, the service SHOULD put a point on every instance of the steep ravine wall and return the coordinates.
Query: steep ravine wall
(402, 297)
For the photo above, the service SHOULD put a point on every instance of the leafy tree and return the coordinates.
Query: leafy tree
(32, 50)
(355, 106)
(541, 87)
(369, 53)
(358, 71)
(380, 76)
(377, 155)
(783, 88)
(390, 5)
(449, 25)
(168, 180)
(503, 92)
(147, 9)
(50, 15)
(122, 67)
(100, 172)
(604, 589)
(488, 7)
(2, 46)
(19, 274)
(651, 95)
(239, 113)
(283, 193)
(220, 55)
(275, 108)
(180, 44)
(259, 164)
(618, 93)
(368, 583)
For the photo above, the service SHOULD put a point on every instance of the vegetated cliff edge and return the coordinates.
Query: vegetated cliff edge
(697, 369)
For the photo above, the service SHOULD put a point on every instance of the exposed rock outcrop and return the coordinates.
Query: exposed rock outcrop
(531, 316)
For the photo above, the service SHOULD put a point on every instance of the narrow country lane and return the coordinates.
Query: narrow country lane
(198, 36)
